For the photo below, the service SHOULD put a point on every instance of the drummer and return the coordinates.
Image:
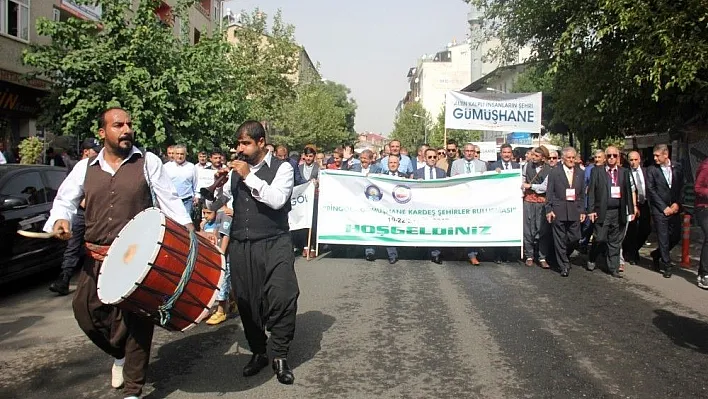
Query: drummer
(260, 251)
(116, 185)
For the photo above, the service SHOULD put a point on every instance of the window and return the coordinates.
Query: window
(197, 35)
(54, 180)
(26, 185)
(14, 18)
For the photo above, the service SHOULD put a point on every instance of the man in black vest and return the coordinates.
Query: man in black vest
(610, 202)
(260, 251)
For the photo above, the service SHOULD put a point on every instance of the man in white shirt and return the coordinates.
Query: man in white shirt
(639, 229)
(430, 172)
(260, 251)
(202, 162)
(117, 185)
(184, 176)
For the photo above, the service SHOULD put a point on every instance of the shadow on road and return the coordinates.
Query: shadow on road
(199, 363)
(684, 331)
(10, 329)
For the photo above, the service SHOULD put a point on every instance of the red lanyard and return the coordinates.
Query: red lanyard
(613, 175)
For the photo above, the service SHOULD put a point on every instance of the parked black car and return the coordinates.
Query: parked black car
(26, 195)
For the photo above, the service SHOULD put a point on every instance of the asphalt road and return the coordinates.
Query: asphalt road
(411, 330)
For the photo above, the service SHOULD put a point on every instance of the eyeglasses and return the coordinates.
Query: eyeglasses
(441, 152)
(432, 156)
(633, 159)
(612, 155)
(476, 152)
(451, 150)
(552, 157)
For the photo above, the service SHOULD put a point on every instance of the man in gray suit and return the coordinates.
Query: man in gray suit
(469, 165)
(309, 170)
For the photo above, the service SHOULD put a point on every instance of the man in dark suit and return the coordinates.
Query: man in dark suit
(665, 188)
(393, 162)
(501, 255)
(610, 202)
(639, 228)
(431, 172)
(566, 207)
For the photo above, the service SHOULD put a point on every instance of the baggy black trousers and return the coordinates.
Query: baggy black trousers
(118, 333)
(265, 284)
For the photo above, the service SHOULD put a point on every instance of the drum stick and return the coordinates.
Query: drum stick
(33, 234)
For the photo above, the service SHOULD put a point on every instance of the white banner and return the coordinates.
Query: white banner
(462, 211)
(487, 149)
(302, 201)
(499, 112)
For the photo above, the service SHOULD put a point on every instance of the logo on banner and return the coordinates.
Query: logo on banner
(402, 194)
(373, 193)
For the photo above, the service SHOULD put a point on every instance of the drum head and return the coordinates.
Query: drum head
(129, 258)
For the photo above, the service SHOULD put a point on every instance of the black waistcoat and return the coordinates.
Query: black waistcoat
(254, 220)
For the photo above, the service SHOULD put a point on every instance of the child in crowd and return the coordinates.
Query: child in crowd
(216, 224)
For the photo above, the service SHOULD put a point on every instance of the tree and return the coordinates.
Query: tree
(617, 67)
(411, 125)
(437, 135)
(174, 92)
(317, 115)
(266, 60)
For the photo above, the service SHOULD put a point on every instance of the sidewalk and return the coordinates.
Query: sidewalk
(696, 245)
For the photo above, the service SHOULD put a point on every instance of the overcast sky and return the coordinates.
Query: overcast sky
(368, 45)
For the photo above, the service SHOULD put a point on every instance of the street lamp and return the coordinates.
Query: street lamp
(425, 127)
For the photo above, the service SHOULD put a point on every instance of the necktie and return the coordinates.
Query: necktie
(468, 167)
(506, 165)
(640, 186)
(569, 175)
(431, 173)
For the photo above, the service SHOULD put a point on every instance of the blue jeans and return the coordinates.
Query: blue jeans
(225, 287)
(188, 205)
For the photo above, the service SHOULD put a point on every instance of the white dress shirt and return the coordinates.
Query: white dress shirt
(428, 171)
(307, 171)
(2, 159)
(666, 169)
(640, 183)
(71, 190)
(184, 177)
(275, 194)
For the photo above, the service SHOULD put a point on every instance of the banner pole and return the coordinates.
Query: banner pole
(445, 140)
(309, 242)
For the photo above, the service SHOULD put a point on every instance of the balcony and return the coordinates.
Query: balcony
(204, 7)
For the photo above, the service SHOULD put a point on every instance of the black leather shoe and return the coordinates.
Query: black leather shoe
(283, 372)
(668, 271)
(564, 273)
(392, 260)
(61, 285)
(370, 257)
(616, 274)
(656, 260)
(257, 363)
(436, 259)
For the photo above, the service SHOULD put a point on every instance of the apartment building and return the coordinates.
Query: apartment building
(19, 97)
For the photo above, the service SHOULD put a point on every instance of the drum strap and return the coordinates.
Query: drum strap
(97, 252)
(149, 182)
(165, 309)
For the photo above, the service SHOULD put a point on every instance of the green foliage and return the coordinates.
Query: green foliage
(411, 126)
(174, 92)
(614, 66)
(267, 60)
(31, 150)
(320, 114)
(437, 134)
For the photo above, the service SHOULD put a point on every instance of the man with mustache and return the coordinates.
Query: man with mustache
(116, 185)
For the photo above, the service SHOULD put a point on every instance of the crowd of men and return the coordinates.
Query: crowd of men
(605, 209)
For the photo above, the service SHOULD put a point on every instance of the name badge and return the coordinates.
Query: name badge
(570, 194)
(615, 192)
